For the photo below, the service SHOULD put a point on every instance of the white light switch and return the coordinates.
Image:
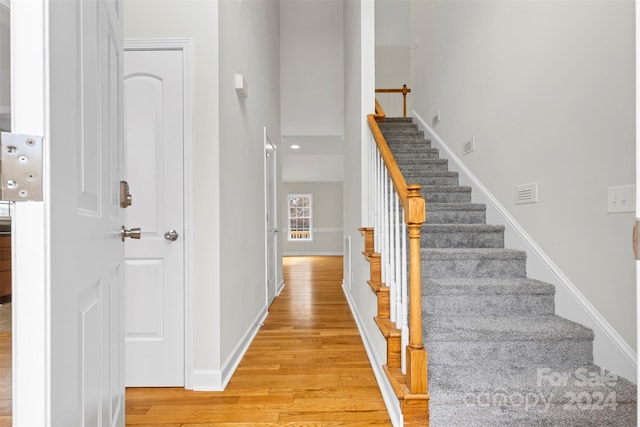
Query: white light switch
(621, 199)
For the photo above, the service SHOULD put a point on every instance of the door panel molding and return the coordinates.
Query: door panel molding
(185, 45)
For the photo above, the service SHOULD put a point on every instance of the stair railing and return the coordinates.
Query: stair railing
(398, 211)
(404, 91)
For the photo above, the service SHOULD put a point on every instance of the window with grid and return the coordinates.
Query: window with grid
(300, 217)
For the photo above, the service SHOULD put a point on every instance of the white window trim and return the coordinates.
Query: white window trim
(310, 196)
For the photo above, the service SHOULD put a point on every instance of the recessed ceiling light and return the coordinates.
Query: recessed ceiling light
(295, 147)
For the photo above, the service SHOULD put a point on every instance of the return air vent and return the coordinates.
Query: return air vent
(469, 146)
(527, 193)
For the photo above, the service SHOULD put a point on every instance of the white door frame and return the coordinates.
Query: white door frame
(637, 105)
(186, 46)
(31, 317)
(274, 207)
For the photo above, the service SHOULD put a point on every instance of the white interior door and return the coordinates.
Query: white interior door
(272, 219)
(68, 254)
(154, 286)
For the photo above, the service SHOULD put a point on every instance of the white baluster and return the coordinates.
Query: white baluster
(397, 267)
(404, 335)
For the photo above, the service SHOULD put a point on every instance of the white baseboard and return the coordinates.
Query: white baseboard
(609, 349)
(217, 379)
(207, 380)
(388, 395)
(280, 288)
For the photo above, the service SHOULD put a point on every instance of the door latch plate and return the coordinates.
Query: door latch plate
(21, 167)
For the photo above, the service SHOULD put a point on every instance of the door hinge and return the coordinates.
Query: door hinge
(21, 167)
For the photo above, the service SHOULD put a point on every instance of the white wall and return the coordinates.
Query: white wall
(228, 38)
(313, 168)
(311, 32)
(249, 45)
(393, 53)
(359, 63)
(393, 69)
(199, 21)
(392, 22)
(327, 218)
(547, 89)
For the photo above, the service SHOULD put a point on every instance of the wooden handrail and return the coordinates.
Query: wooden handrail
(404, 91)
(414, 216)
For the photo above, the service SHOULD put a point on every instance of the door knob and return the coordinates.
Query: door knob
(134, 233)
(171, 235)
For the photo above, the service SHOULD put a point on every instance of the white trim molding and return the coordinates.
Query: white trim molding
(217, 379)
(280, 288)
(388, 395)
(185, 45)
(609, 349)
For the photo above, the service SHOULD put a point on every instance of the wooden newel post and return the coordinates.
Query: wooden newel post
(416, 355)
(405, 91)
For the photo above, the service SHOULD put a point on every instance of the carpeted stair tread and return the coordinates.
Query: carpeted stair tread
(510, 415)
(486, 286)
(401, 141)
(415, 157)
(446, 189)
(401, 130)
(398, 120)
(451, 384)
(457, 228)
(416, 154)
(406, 144)
(472, 253)
(503, 328)
(427, 174)
(432, 178)
(456, 207)
(472, 262)
(446, 193)
(487, 297)
(462, 236)
(393, 125)
(560, 396)
(455, 213)
(426, 164)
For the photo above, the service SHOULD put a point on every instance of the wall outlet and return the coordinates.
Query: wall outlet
(621, 199)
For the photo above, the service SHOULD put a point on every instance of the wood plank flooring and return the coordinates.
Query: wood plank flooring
(306, 367)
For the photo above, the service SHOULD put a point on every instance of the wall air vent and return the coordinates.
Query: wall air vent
(469, 146)
(527, 193)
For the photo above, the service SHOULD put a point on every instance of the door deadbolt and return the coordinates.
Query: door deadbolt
(125, 195)
(134, 233)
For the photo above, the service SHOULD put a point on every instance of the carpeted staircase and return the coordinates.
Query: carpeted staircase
(498, 355)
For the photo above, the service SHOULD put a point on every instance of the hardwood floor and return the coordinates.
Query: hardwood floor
(306, 367)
